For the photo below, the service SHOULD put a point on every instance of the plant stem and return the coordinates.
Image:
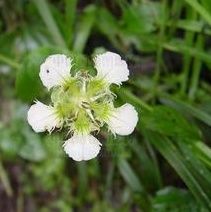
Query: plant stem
(9, 62)
(183, 49)
(83, 179)
(5, 180)
(189, 37)
(127, 95)
(196, 69)
(159, 53)
(200, 9)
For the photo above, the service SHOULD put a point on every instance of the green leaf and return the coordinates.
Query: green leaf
(200, 9)
(50, 171)
(203, 152)
(207, 5)
(141, 19)
(149, 164)
(107, 23)
(109, 26)
(170, 122)
(197, 166)
(32, 149)
(174, 199)
(187, 109)
(129, 175)
(10, 143)
(70, 16)
(45, 12)
(190, 175)
(84, 28)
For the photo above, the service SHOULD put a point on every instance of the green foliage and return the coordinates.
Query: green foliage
(173, 199)
(165, 165)
(168, 121)
(17, 139)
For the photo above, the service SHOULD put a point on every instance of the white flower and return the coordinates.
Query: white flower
(42, 117)
(82, 147)
(55, 70)
(123, 120)
(111, 67)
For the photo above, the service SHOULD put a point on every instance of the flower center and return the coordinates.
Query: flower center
(86, 101)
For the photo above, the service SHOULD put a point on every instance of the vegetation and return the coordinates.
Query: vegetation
(165, 165)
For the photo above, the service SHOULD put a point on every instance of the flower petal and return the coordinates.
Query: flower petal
(82, 147)
(123, 120)
(55, 70)
(42, 117)
(111, 67)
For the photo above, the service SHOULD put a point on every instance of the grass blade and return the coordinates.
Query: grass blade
(171, 153)
(129, 175)
(45, 12)
(187, 109)
(200, 9)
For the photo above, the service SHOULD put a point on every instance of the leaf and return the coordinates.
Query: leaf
(70, 16)
(129, 175)
(203, 152)
(149, 165)
(187, 109)
(107, 23)
(84, 28)
(45, 12)
(200, 9)
(192, 178)
(32, 149)
(174, 199)
(207, 5)
(198, 168)
(10, 143)
(141, 19)
(51, 171)
(168, 121)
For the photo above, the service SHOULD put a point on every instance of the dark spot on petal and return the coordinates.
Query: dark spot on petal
(47, 71)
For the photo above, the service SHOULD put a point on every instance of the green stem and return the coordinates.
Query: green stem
(189, 37)
(83, 179)
(9, 62)
(156, 164)
(192, 25)
(196, 69)
(183, 49)
(159, 53)
(5, 180)
(109, 180)
(128, 96)
(200, 9)
(176, 10)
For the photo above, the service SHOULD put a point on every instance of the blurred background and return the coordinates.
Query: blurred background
(165, 164)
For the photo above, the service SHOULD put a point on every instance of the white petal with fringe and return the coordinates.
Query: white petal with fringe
(111, 68)
(82, 147)
(42, 117)
(55, 70)
(123, 120)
